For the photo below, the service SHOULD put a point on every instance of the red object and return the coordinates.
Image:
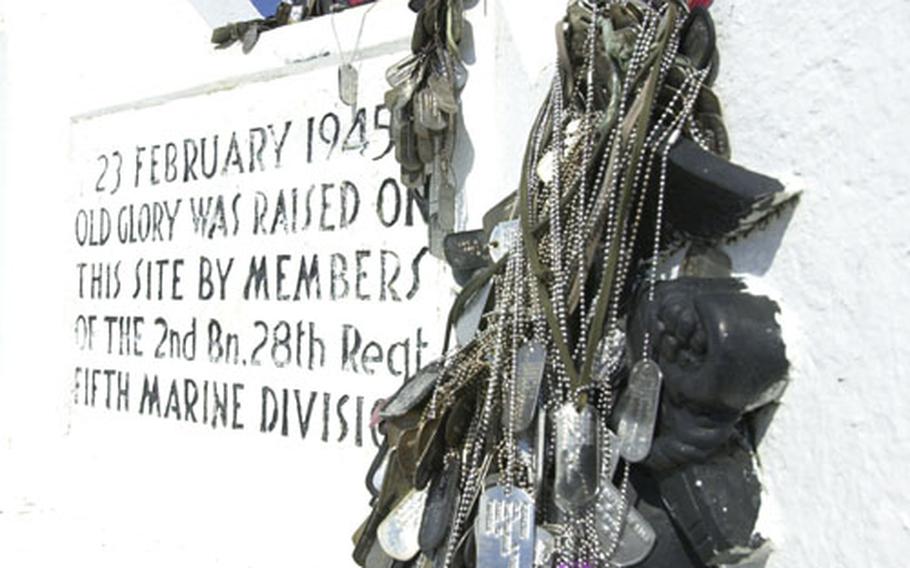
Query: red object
(375, 419)
(700, 4)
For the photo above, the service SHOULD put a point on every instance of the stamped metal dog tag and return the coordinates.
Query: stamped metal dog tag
(347, 84)
(577, 460)
(638, 411)
(504, 528)
(532, 358)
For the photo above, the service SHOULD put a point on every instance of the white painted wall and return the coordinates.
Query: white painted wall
(815, 93)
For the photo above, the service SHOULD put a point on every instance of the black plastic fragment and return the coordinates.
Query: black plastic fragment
(669, 551)
(715, 505)
(710, 197)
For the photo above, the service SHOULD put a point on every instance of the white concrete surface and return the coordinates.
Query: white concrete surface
(815, 93)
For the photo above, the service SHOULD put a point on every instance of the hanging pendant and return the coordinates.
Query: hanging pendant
(399, 533)
(504, 528)
(610, 354)
(638, 411)
(635, 534)
(503, 237)
(532, 357)
(544, 548)
(347, 84)
(577, 459)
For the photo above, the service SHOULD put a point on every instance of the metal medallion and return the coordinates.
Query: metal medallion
(504, 528)
(399, 532)
(638, 411)
(577, 459)
(347, 84)
(532, 358)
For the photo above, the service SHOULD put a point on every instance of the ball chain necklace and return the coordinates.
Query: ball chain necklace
(544, 451)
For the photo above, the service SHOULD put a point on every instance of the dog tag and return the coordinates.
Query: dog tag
(466, 252)
(635, 534)
(400, 72)
(638, 411)
(504, 236)
(413, 392)
(544, 548)
(610, 450)
(427, 111)
(469, 322)
(532, 357)
(441, 501)
(399, 532)
(610, 353)
(347, 84)
(504, 528)
(577, 460)
(442, 93)
(250, 38)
